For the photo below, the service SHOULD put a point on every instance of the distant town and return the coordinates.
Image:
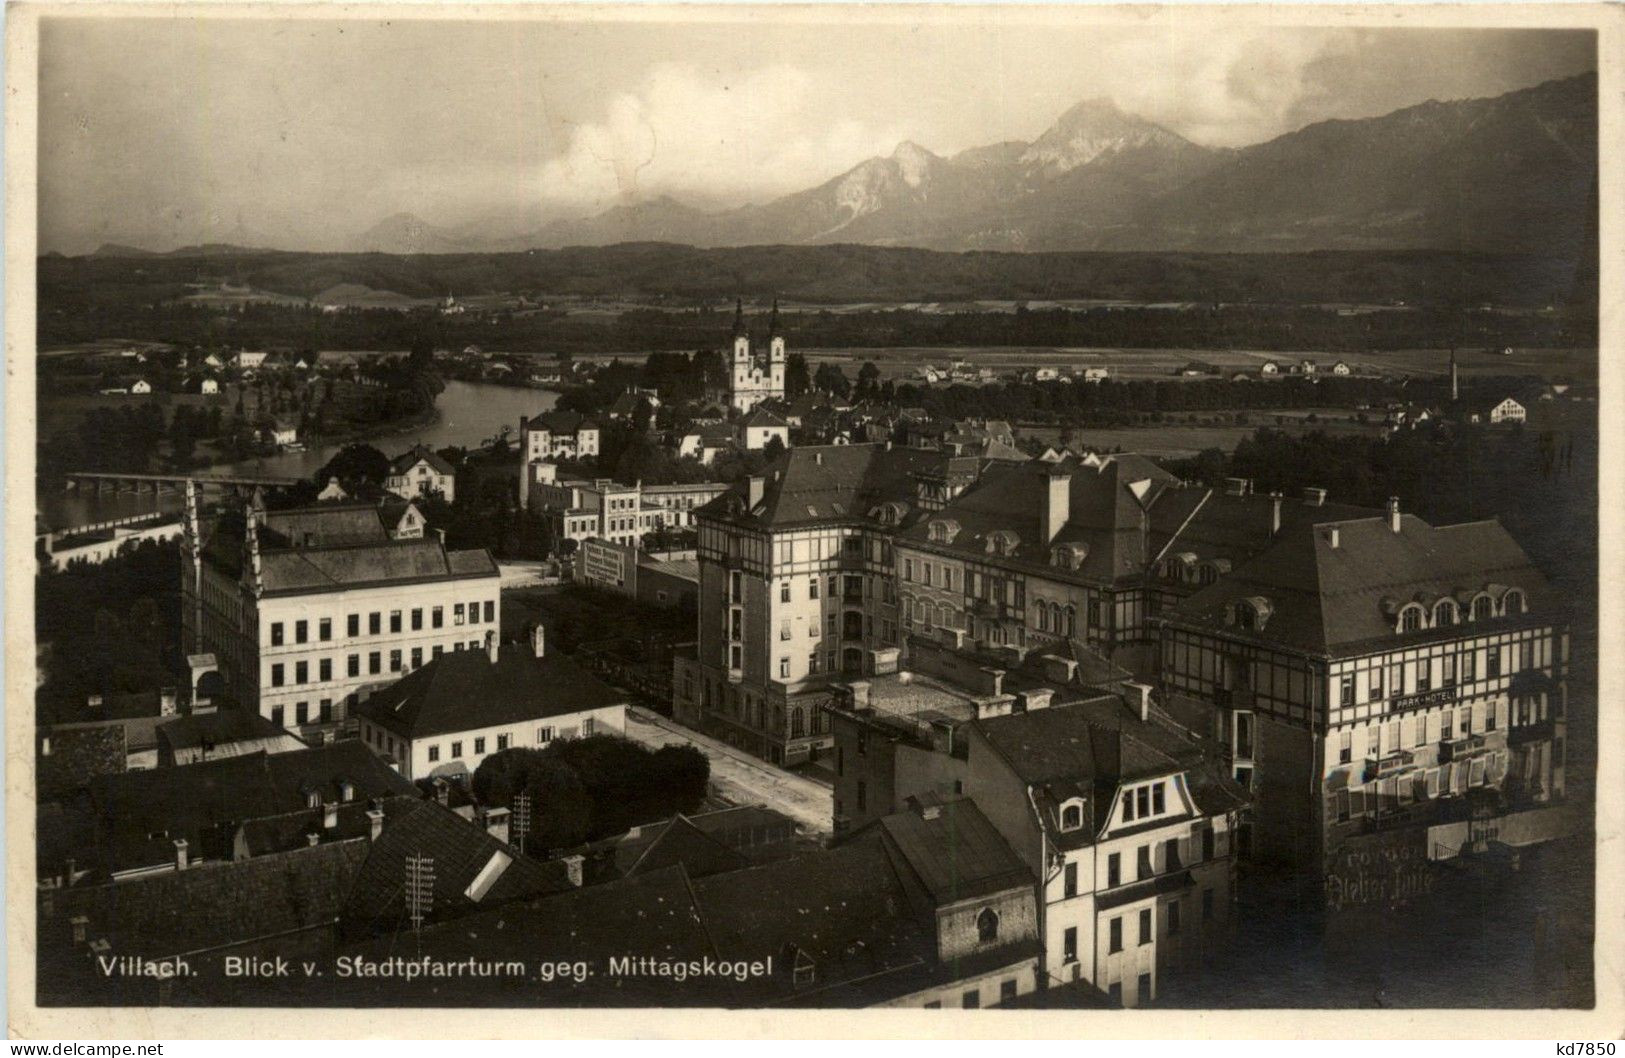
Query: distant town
(756, 676)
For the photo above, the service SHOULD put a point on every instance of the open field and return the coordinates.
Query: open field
(1188, 436)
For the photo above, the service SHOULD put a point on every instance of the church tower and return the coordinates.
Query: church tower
(755, 378)
(775, 352)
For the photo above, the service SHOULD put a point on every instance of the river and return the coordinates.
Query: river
(467, 414)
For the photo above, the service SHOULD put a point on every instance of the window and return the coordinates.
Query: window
(394, 661)
(1424, 674)
(784, 629)
(490, 611)
(301, 713)
(1071, 817)
(1170, 855)
(1144, 988)
(1493, 669)
(784, 592)
(456, 750)
(935, 1004)
(327, 710)
(276, 715)
(474, 613)
(417, 618)
(1069, 945)
(1410, 619)
(987, 926)
(544, 735)
(276, 633)
(1007, 990)
(1173, 917)
(1345, 691)
(1208, 843)
(324, 669)
(437, 617)
(417, 658)
(457, 617)
(1158, 804)
(1376, 684)
(479, 746)
(1374, 741)
(324, 630)
(352, 625)
(301, 672)
(1116, 935)
(374, 663)
(1145, 925)
(1447, 665)
(1069, 880)
(394, 621)
(784, 668)
(1483, 608)
(1345, 751)
(1128, 806)
(375, 623)
(1142, 801)
(434, 754)
(1142, 862)
(971, 999)
(812, 588)
(1444, 614)
(276, 675)
(301, 631)
(1114, 870)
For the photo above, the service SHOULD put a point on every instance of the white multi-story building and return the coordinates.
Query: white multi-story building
(1380, 677)
(420, 472)
(605, 509)
(461, 707)
(308, 610)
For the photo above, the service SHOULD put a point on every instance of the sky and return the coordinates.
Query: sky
(303, 134)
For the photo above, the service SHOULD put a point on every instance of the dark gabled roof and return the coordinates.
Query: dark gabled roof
(1107, 501)
(1326, 600)
(420, 453)
(564, 422)
(1072, 743)
(215, 905)
(221, 727)
(652, 915)
(954, 851)
(824, 483)
(463, 690)
(1212, 524)
(680, 842)
(139, 814)
(324, 525)
(762, 417)
(460, 850)
(844, 908)
(395, 562)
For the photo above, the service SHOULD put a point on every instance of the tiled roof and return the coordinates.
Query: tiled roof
(563, 422)
(955, 851)
(460, 851)
(1327, 600)
(420, 453)
(463, 690)
(218, 728)
(403, 561)
(215, 905)
(1107, 502)
(326, 525)
(840, 482)
(761, 417)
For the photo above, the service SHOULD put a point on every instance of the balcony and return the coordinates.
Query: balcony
(1524, 734)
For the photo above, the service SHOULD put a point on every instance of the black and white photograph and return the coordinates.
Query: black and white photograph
(1061, 513)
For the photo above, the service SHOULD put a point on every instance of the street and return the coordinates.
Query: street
(738, 777)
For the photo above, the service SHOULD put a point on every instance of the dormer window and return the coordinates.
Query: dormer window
(1002, 543)
(1072, 815)
(1512, 602)
(1483, 608)
(1410, 619)
(1444, 613)
(943, 530)
(987, 926)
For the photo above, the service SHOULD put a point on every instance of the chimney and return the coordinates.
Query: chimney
(496, 823)
(442, 791)
(754, 487)
(166, 701)
(860, 693)
(1393, 514)
(1455, 392)
(1057, 504)
(81, 928)
(572, 868)
(1314, 497)
(1275, 513)
(818, 458)
(492, 648)
(313, 838)
(538, 640)
(1237, 486)
(346, 790)
(375, 820)
(1333, 537)
(93, 704)
(1060, 670)
(330, 815)
(1035, 699)
(1143, 702)
(183, 859)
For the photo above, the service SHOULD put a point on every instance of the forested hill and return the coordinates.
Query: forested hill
(833, 275)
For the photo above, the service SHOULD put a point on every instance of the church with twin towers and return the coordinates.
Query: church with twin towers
(754, 378)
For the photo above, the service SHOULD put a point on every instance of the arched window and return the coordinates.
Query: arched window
(1071, 621)
(1483, 608)
(797, 723)
(1512, 602)
(987, 926)
(1444, 613)
(927, 614)
(1410, 619)
(1072, 817)
(1055, 618)
(1206, 573)
(1043, 616)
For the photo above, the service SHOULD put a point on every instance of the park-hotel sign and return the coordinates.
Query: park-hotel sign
(1412, 701)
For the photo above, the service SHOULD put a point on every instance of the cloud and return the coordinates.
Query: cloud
(749, 135)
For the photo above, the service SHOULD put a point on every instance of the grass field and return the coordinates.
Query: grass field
(1179, 439)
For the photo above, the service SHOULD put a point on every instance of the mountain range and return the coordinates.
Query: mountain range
(1510, 174)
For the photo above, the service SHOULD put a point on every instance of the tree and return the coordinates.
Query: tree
(796, 378)
(868, 379)
(353, 464)
(561, 809)
(832, 380)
